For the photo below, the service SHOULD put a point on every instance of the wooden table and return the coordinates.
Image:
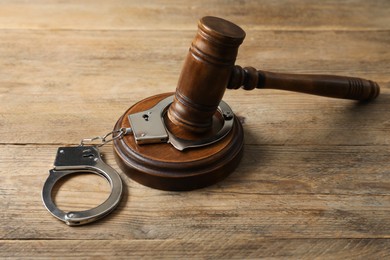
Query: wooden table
(315, 178)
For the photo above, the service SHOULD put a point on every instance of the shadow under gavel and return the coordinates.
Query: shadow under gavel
(209, 69)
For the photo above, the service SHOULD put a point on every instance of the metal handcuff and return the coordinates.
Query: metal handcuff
(147, 127)
(83, 159)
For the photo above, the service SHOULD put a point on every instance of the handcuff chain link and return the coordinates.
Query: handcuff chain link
(109, 137)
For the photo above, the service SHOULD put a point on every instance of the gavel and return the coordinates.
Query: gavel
(192, 139)
(209, 69)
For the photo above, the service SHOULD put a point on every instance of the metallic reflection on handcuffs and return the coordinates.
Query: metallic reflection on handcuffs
(81, 159)
(147, 127)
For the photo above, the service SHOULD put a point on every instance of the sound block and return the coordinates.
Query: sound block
(161, 166)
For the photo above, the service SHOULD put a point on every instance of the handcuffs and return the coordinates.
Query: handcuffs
(81, 159)
(147, 127)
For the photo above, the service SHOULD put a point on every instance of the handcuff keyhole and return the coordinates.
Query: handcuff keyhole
(89, 155)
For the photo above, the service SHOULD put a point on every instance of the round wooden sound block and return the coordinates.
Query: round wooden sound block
(161, 166)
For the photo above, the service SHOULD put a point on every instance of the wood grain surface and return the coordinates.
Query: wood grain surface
(314, 182)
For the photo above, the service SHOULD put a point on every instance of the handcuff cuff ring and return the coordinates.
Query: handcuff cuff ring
(81, 159)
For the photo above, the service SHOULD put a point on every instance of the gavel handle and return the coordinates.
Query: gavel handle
(323, 85)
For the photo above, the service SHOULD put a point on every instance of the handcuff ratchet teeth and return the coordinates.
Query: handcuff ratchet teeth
(81, 159)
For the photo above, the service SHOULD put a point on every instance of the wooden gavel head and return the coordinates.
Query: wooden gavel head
(205, 74)
(196, 109)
